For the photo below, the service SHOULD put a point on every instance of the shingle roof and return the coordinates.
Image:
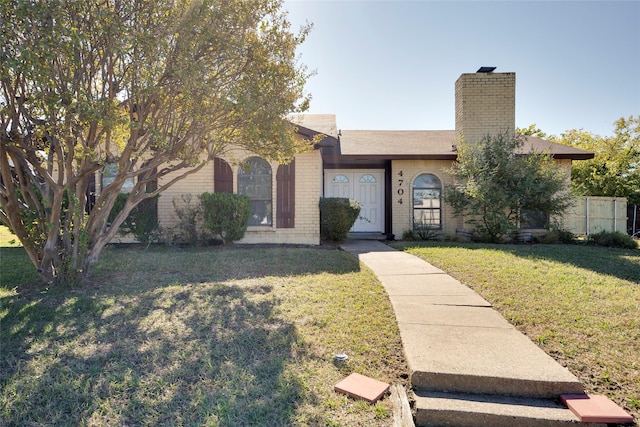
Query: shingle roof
(559, 151)
(432, 144)
(413, 144)
(398, 144)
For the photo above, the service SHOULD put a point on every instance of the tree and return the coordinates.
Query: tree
(615, 169)
(497, 184)
(532, 130)
(153, 88)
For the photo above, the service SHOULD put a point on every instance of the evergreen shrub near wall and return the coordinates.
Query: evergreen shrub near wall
(337, 216)
(142, 221)
(613, 239)
(226, 215)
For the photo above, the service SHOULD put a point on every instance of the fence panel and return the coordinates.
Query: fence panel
(593, 214)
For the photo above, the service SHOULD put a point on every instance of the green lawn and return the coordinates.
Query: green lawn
(245, 335)
(210, 336)
(581, 304)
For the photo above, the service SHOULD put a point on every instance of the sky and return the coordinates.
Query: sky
(393, 64)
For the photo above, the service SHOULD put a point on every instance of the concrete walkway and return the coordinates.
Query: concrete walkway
(456, 344)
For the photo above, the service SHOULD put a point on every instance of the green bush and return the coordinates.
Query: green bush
(557, 236)
(337, 216)
(613, 239)
(188, 230)
(142, 221)
(226, 215)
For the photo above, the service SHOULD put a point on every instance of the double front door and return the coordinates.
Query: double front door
(364, 185)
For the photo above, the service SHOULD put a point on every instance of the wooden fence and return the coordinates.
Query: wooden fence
(593, 214)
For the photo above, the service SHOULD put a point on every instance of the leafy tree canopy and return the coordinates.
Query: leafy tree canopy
(615, 169)
(496, 186)
(154, 87)
(532, 130)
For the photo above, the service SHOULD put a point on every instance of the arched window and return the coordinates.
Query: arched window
(340, 179)
(254, 180)
(368, 179)
(427, 203)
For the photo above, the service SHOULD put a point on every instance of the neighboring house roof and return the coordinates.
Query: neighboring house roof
(412, 144)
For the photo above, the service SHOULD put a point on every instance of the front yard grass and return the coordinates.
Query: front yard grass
(581, 304)
(240, 336)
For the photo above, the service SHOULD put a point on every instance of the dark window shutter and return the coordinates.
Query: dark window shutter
(222, 176)
(286, 195)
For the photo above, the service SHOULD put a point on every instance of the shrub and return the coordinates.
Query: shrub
(142, 221)
(422, 232)
(226, 215)
(557, 236)
(408, 235)
(337, 216)
(188, 230)
(613, 239)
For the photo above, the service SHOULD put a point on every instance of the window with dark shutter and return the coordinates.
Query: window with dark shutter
(286, 195)
(222, 176)
(254, 180)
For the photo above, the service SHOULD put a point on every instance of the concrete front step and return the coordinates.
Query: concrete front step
(482, 360)
(471, 410)
(455, 342)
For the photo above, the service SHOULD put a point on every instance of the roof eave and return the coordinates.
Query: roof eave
(442, 156)
(585, 156)
(327, 142)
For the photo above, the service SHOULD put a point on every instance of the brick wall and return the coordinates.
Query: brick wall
(308, 188)
(485, 104)
(403, 173)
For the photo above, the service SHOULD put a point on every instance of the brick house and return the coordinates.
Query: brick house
(397, 176)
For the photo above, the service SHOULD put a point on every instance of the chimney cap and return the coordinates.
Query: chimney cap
(486, 69)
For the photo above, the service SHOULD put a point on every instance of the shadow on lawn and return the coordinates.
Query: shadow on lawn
(192, 354)
(621, 263)
(606, 261)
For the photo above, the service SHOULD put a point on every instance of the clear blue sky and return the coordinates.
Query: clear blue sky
(393, 64)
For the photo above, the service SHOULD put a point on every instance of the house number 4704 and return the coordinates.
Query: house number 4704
(400, 189)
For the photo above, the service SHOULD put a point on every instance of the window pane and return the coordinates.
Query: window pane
(109, 175)
(426, 201)
(260, 212)
(534, 219)
(254, 180)
(367, 178)
(341, 179)
(430, 217)
(426, 180)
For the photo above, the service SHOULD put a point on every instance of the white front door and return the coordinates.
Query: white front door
(364, 185)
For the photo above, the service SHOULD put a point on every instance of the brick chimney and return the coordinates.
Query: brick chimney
(485, 104)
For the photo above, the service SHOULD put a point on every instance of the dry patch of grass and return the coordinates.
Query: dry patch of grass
(219, 337)
(581, 304)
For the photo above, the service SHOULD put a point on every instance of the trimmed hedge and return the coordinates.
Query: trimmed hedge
(337, 216)
(226, 215)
